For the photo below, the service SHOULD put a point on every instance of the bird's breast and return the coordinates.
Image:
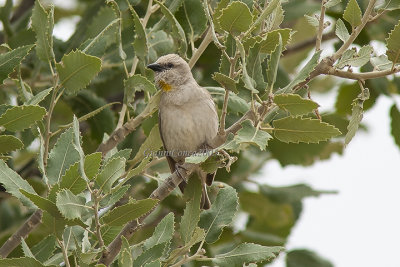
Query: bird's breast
(187, 127)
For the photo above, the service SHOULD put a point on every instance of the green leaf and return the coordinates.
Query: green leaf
(9, 143)
(177, 32)
(70, 205)
(128, 212)
(86, 104)
(312, 20)
(252, 135)
(292, 193)
(12, 182)
(236, 104)
(273, 64)
(115, 195)
(72, 180)
(42, 203)
(191, 214)
(160, 43)
(381, 62)
(332, 3)
(155, 263)
(45, 248)
(76, 70)
(61, 157)
(350, 58)
(198, 236)
(356, 117)
(162, 233)
(77, 144)
(273, 5)
(39, 97)
(217, 13)
(25, 249)
(193, 19)
(212, 163)
(125, 255)
(235, 18)
(92, 164)
(137, 83)
(225, 81)
(24, 261)
(389, 5)
(21, 117)
(245, 253)
(110, 173)
(138, 170)
(98, 45)
(305, 258)
(275, 19)
(271, 40)
(307, 130)
(393, 45)
(395, 124)
(295, 104)
(140, 43)
(42, 24)
(220, 215)
(254, 69)
(11, 59)
(341, 31)
(352, 13)
(248, 81)
(303, 73)
(150, 255)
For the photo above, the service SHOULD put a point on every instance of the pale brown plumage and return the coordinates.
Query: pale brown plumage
(188, 119)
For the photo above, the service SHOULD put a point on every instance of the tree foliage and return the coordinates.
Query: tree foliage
(79, 133)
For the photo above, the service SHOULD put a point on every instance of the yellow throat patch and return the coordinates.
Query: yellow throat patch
(164, 86)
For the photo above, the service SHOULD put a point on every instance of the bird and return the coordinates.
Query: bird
(188, 119)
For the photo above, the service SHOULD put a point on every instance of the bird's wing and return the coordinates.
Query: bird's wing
(170, 160)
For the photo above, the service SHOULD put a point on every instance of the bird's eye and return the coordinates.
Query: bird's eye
(170, 65)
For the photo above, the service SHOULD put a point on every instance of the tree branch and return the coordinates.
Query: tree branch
(23, 231)
(362, 75)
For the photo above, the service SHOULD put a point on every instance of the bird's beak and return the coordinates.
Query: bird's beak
(156, 67)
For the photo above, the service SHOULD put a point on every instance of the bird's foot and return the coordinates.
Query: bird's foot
(179, 171)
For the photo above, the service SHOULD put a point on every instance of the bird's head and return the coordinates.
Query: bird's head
(170, 71)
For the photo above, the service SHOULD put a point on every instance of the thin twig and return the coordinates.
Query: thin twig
(202, 47)
(64, 252)
(363, 75)
(121, 116)
(95, 198)
(320, 27)
(356, 31)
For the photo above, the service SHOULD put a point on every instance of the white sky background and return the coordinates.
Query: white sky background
(360, 225)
